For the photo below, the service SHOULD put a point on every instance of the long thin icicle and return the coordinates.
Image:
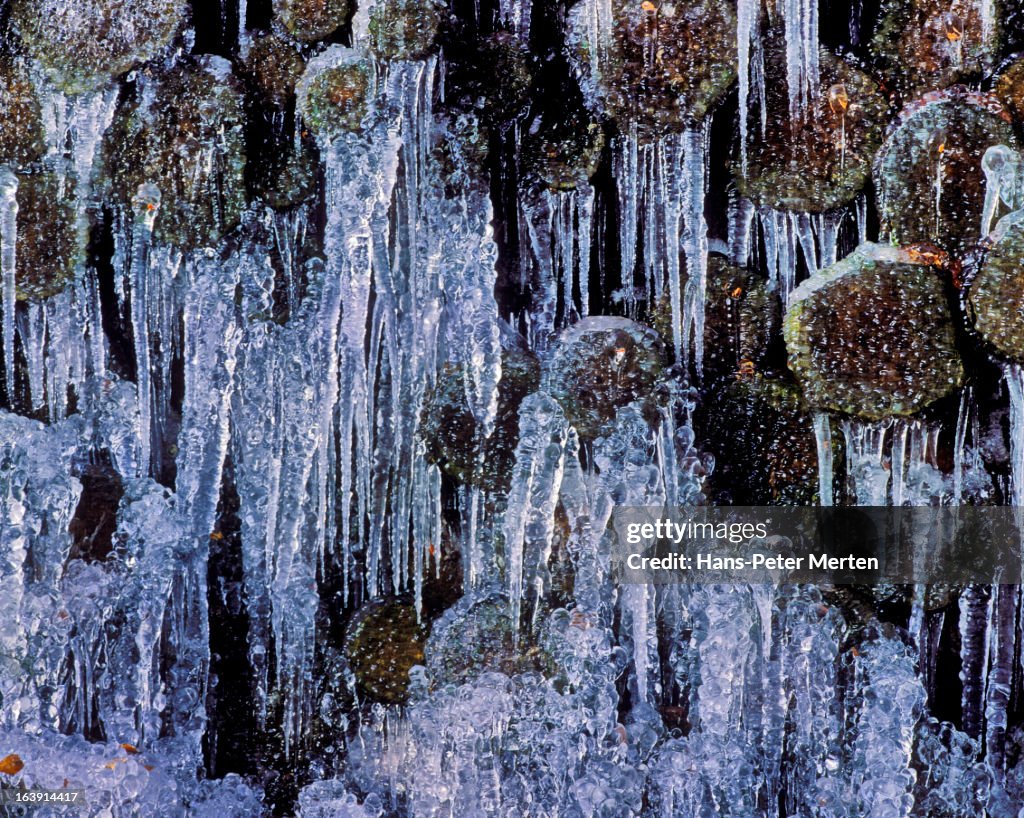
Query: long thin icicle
(748, 14)
(823, 439)
(146, 205)
(695, 244)
(529, 520)
(8, 263)
(801, 24)
(1014, 375)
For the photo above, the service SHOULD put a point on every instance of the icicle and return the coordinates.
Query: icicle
(959, 445)
(33, 342)
(211, 343)
(975, 624)
(584, 211)
(638, 600)
(514, 15)
(666, 197)
(8, 265)
(916, 480)
(243, 29)
(741, 230)
(630, 182)
(472, 556)
(1004, 183)
(803, 228)
(823, 439)
(146, 205)
(827, 233)
(591, 26)
(538, 216)
(88, 118)
(695, 244)
(889, 700)
(866, 466)
(1014, 375)
(801, 28)
(65, 355)
(856, 13)
(999, 683)
(529, 519)
(937, 141)
(558, 224)
(780, 248)
(81, 121)
(987, 13)
(748, 14)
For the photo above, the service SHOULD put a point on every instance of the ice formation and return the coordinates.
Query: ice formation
(213, 453)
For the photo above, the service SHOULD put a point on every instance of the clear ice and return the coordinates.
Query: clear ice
(301, 384)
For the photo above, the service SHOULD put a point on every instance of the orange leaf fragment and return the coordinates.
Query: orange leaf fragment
(11, 764)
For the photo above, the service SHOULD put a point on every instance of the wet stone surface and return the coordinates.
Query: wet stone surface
(453, 436)
(601, 364)
(475, 636)
(275, 66)
(923, 45)
(336, 98)
(1009, 87)
(21, 125)
(663, 65)
(382, 642)
(85, 43)
(48, 247)
(927, 174)
(823, 159)
(183, 133)
(564, 153)
(872, 336)
(996, 294)
(310, 20)
(404, 29)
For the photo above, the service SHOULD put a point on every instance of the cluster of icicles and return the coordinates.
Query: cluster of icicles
(320, 417)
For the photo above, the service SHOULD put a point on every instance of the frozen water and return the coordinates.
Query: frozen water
(310, 375)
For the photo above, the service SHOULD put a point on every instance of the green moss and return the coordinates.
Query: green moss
(191, 120)
(310, 20)
(1009, 87)
(404, 29)
(275, 67)
(824, 160)
(48, 248)
(383, 641)
(923, 45)
(335, 99)
(21, 125)
(601, 364)
(452, 435)
(996, 295)
(873, 336)
(928, 173)
(83, 44)
(476, 636)
(666, 64)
